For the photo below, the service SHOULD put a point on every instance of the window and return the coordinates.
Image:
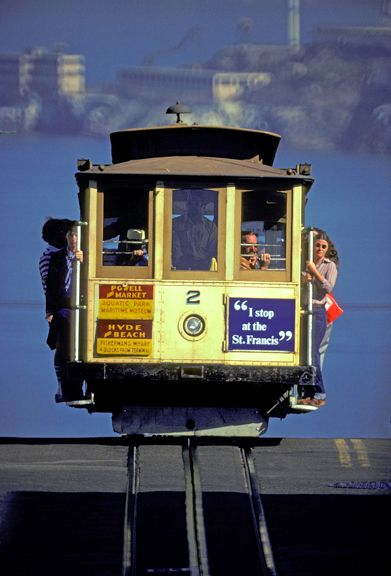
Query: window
(125, 228)
(263, 230)
(194, 229)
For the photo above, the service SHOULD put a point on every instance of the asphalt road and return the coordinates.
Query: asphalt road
(62, 506)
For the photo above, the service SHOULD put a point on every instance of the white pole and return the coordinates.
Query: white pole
(309, 305)
(77, 299)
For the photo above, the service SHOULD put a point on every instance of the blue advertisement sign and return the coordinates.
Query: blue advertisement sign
(266, 324)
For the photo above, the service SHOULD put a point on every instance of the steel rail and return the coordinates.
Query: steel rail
(197, 548)
(198, 564)
(263, 541)
(198, 552)
(129, 560)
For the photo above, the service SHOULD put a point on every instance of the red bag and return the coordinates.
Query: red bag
(333, 311)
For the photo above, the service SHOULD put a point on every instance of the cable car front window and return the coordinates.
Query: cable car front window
(194, 229)
(263, 230)
(125, 228)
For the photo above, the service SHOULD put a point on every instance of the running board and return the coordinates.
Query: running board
(82, 403)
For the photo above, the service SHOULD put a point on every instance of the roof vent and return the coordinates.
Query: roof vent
(178, 109)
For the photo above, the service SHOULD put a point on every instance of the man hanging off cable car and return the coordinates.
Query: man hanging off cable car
(59, 285)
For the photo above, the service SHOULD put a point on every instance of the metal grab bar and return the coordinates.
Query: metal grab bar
(133, 242)
(310, 251)
(272, 257)
(77, 295)
(260, 245)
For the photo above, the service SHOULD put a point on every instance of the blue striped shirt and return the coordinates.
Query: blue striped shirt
(70, 259)
(44, 263)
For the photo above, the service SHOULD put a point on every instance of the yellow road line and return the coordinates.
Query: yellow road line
(343, 452)
(361, 452)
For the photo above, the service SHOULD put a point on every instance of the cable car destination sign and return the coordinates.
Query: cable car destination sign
(124, 323)
(126, 301)
(261, 324)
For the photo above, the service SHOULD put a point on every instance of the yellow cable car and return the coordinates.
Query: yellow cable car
(188, 317)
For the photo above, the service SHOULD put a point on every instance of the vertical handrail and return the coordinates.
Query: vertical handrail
(77, 297)
(310, 252)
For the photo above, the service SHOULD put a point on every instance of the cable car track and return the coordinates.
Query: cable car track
(196, 535)
(260, 526)
(196, 525)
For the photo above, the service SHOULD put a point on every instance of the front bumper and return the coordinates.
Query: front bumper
(167, 372)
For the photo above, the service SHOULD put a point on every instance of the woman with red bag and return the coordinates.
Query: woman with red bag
(333, 310)
(322, 271)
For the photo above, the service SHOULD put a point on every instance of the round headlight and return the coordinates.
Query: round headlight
(194, 325)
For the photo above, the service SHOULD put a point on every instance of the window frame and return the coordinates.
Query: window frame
(103, 271)
(218, 274)
(263, 275)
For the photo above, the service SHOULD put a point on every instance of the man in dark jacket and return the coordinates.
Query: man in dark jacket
(58, 313)
(54, 233)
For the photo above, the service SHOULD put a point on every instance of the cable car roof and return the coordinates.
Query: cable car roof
(193, 140)
(180, 166)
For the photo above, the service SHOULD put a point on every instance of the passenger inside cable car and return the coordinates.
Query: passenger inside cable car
(194, 229)
(125, 223)
(133, 250)
(263, 225)
(251, 257)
